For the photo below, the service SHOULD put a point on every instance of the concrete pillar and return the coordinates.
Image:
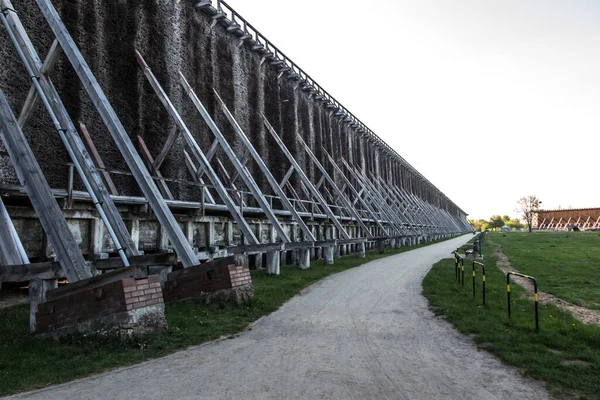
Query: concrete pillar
(336, 251)
(97, 227)
(304, 258)
(273, 259)
(343, 249)
(229, 234)
(257, 262)
(361, 250)
(393, 243)
(328, 254)
(135, 232)
(381, 246)
(163, 241)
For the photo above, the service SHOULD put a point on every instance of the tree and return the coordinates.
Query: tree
(506, 219)
(528, 208)
(515, 223)
(496, 222)
(479, 225)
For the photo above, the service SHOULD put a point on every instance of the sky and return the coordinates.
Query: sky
(490, 100)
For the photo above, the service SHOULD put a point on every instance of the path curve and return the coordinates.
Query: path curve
(365, 333)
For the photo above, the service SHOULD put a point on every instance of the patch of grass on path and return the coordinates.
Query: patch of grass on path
(28, 362)
(565, 353)
(566, 264)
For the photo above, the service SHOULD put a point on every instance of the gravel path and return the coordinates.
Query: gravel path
(362, 334)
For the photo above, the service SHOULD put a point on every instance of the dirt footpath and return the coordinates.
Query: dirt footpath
(363, 334)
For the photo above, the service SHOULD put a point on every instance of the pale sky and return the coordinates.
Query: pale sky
(490, 100)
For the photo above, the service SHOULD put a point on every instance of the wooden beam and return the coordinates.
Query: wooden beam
(143, 260)
(133, 271)
(33, 96)
(27, 272)
(89, 143)
(67, 132)
(53, 270)
(164, 188)
(196, 151)
(166, 148)
(357, 195)
(31, 176)
(195, 176)
(11, 248)
(305, 179)
(121, 138)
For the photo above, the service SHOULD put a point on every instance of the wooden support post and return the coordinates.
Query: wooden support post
(196, 151)
(325, 175)
(66, 130)
(314, 192)
(33, 95)
(32, 178)
(37, 294)
(11, 248)
(239, 167)
(164, 188)
(89, 143)
(121, 138)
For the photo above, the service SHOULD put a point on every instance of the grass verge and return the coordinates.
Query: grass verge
(565, 353)
(28, 362)
(567, 264)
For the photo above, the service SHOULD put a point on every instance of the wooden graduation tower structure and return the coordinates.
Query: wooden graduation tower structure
(191, 142)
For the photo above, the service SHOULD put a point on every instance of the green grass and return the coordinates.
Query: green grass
(566, 264)
(29, 362)
(565, 353)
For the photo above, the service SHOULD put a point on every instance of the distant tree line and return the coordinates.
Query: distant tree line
(496, 222)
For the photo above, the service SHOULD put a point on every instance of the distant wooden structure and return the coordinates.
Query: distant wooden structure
(583, 219)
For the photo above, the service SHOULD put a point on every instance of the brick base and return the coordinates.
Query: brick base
(219, 282)
(125, 308)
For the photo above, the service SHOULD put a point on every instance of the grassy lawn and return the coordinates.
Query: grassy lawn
(566, 264)
(28, 362)
(565, 353)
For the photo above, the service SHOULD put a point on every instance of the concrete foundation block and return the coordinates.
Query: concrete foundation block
(304, 258)
(361, 250)
(273, 262)
(328, 255)
(381, 246)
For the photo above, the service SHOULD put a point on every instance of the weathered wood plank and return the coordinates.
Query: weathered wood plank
(166, 148)
(164, 188)
(196, 177)
(143, 260)
(11, 248)
(38, 290)
(32, 96)
(133, 271)
(120, 137)
(27, 272)
(97, 159)
(31, 176)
